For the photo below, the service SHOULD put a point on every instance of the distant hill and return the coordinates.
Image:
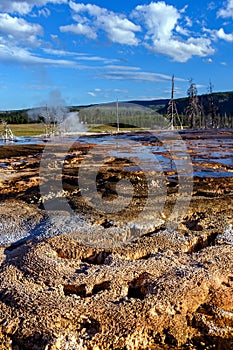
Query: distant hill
(102, 113)
(223, 102)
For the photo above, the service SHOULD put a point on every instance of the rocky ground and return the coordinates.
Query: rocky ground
(167, 287)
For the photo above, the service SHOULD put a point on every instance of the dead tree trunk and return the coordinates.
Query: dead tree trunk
(193, 111)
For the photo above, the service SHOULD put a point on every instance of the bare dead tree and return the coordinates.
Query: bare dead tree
(193, 111)
(52, 117)
(172, 113)
(6, 134)
(212, 113)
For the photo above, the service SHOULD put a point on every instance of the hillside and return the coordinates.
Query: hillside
(100, 113)
(223, 102)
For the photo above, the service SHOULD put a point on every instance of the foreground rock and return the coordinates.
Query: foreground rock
(165, 288)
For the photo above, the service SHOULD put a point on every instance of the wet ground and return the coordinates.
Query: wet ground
(210, 150)
(132, 182)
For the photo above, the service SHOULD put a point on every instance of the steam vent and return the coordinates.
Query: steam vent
(117, 241)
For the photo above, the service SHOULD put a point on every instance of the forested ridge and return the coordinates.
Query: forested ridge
(215, 110)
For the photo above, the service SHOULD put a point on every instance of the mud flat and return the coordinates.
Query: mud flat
(87, 281)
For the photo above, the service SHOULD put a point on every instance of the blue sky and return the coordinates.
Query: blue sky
(99, 51)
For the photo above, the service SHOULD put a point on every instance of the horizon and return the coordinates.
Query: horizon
(109, 102)
(94, 52)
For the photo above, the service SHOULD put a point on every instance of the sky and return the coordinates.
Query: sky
(99, 51)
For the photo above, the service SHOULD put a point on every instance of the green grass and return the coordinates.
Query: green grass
(39, 129)
(27, 129)
(109, 128)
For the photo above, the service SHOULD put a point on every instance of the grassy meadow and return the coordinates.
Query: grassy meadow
(27, 129)
(39, 129)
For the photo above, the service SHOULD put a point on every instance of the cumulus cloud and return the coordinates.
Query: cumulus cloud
(18, 29)
(183, 51)
(227, 10)
(158, 26)
(21, 7)
(25, 6)
(117, 27)
(20, 39)
(165, 36)
(219, 34)
(224, 36)
(159, 18)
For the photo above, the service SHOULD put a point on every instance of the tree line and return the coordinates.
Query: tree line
(200, 113)
(16, 117)
(130, 116)
(212, 110)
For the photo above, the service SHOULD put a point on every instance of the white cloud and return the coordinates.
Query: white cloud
(21, 55)
(189, 22)
(106, 93)
(92, 94)
(123, 67)
(54, 37)
(211, 6)
(222, 35)
(137, 76)
(182, 31)
(219, 34)
(121, 91)
(18, 29)
(45, 12)
(92, 9)
(209, 60)
(78, 56)
(227, 10)
(158, 26)
(21, 7)
(164, 34)
(183, 51)
(160, 19)
(117, 27)
(25, 6)
(79, 29)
